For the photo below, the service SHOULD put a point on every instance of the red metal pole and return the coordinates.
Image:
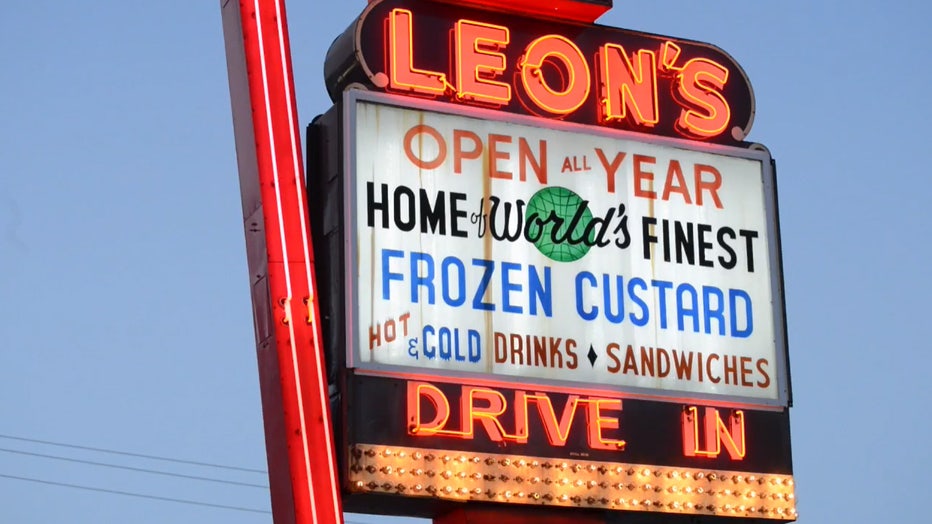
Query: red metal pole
(299, 437)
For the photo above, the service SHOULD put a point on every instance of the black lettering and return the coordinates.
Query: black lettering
(646, 224)
(404, 223)
(433, 215)
(684, 242)
(704, 245)
(456, 214)
(372, 205)
(732, 260)
(623, 228)
(505, 233)
(748, 237)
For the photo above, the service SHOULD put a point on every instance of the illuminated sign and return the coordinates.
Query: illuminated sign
(579, 73)
(552, 268)
(564, 254)
(487, 443)
(576, 10)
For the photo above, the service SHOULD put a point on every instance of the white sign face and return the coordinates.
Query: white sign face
(575, 256)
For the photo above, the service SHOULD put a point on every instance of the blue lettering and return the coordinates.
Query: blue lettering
(613, 317)
(645, 315)
(540, 291)
(417, 280)
(683, 310)
(445, 344)
(387, 275)
(456, 347)
(718, 313)
(733, 296)
(488, 268)
(662, 287)
(475, 346)
(508, 286)
(429, 351)
(580, 308)
(447, 281)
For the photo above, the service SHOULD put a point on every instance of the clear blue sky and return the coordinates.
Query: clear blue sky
(125, 317)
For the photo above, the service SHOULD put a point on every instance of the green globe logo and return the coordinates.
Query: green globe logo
(564, 205)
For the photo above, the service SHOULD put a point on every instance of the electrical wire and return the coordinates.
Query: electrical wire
(131, 468)
(131, 454)
(138, 495)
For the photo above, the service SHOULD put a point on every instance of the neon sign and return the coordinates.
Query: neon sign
(429, 408)
(581, 73)
(540, 312)
(486, 406)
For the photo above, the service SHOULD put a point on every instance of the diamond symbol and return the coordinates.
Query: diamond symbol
(591, 356)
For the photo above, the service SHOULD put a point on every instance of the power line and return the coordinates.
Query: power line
(131, 468)
(131, 454)
(138, 495)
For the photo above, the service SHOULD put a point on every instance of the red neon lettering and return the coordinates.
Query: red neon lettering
(556, 76)
(557, 432)
(487, 416)
(623, 87)
(487, 406)
(698, 89)
(416, 425)
(478, 62)
(403, 76)
(716, 434)
(669, 54)
(596, 422)
(565, 57)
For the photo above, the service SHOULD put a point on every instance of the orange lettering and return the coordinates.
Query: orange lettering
(716, 434)
(478, 62)
(610, 168)
(495, 155)
(712, 186)
(640, 176)
(698, 90)
(487, 416)
(403, 75)
(557, 432)
(623, 87)
(526, 157)
(675, 183)
(418, 131)
(417, 391)
(596, 422)
(459, 153)
(563, 55)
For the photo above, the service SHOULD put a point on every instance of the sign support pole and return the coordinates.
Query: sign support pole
(298, 433)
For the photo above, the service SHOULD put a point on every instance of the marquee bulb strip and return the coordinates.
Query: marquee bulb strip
(480, 477)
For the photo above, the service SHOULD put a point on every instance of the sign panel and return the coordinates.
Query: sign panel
(463, 442)
(550, 69)
(500, 249)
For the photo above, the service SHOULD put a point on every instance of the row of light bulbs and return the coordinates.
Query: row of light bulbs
(461, 476)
